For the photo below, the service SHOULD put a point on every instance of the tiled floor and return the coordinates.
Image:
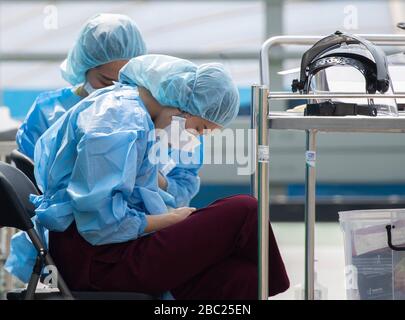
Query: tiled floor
(328, 253)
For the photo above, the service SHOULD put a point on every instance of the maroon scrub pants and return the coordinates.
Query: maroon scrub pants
(210, 255)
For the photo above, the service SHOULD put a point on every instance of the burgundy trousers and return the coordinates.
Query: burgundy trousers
(210, 255)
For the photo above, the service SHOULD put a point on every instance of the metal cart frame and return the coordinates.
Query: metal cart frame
(262, 120)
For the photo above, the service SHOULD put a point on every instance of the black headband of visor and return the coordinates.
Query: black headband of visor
(364, 65)
(340, 109)
(380, 82)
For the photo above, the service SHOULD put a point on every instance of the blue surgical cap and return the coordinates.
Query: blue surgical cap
(104, 38)
(206, 91)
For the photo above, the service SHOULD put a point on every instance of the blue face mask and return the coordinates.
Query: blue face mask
(88, 87)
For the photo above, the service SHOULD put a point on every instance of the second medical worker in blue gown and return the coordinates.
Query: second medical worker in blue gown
(104, 46)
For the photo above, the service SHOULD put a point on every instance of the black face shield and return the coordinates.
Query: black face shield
(380, 80)
(343, 50)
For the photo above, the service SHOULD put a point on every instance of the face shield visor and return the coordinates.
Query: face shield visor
(346, 68)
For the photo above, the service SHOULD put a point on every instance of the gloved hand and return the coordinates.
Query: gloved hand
(182, 213)
(160, 221)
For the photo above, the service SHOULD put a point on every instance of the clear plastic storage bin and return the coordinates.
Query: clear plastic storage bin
(374, 244)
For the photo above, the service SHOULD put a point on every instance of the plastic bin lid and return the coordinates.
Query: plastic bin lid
(374, 214)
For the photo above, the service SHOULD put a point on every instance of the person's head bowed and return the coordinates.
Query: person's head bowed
(105, 43)
(206, 92)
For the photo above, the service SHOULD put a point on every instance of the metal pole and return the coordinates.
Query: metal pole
(263, 192)
(274, 26)
(310, 184)
(253, 125)
(348, 95)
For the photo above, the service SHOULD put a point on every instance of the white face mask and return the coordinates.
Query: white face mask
(88, 87)
(180, 138)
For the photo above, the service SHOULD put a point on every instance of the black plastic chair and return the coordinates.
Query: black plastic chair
(16, 211)
(24, 163)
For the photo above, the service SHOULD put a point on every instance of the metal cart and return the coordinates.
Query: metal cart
(262, 120)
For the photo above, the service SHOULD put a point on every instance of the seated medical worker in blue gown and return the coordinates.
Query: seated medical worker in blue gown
(101, 202)
(184, 175)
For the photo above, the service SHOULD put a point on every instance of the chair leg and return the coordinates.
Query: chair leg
(47, 260)
(36, 273)
(62, 286)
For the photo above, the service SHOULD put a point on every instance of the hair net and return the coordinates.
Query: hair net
(206, 91)
(104, 38)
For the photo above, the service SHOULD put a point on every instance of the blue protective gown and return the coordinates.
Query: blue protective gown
(54, 209)
(183, 181)
(93, 168)
(46, 109)
(21, 259)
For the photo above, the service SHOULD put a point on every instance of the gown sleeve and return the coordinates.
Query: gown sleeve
(183, 182)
